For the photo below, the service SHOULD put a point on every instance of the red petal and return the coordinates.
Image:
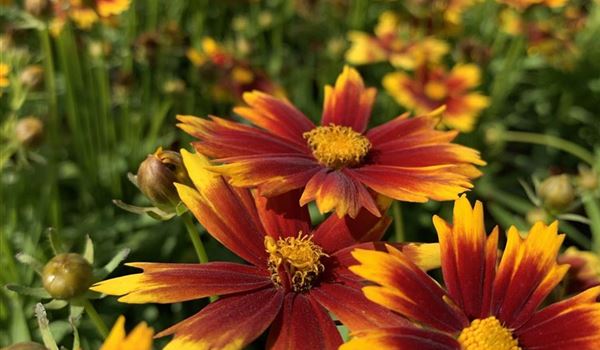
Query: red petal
(348, 103)
(401, 338)
(336, 233)
(337, 190)
(275, 115)
(303, 324)
(353, 309)
(399, 128)
(230, 322)
(281, 215)
(170, 283)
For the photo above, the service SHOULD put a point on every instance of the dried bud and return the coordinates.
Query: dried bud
(26, 346)
(557, 192)
(29, 131)
(537, 214)
(156, 176)
(36, 7)
(32, 76)
(67, 276)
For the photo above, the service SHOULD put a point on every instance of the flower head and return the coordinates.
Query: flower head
(4, 75)
(484, 305)
(339, 164)
(112, 7)
(296, 273)
(140, 338)
(433, 87)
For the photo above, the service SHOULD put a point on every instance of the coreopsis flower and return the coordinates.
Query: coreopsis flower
(107, 8)
(395, 43)
(4, 71)
(338, 162)
(296, 272)
(584, 272)
(433, 87)
(522, 5)
(83, 17)
(485, 304)
(140, 338)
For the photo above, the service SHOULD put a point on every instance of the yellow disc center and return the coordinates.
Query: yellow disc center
(436, 90)
(298, 258)
(337, 146)
(487, 334)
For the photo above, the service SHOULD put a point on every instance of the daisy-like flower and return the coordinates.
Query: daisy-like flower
(296, 272)
(338, 162)
(433, 87)
(395, 43)
(140, 338)
(485, 305)
(112, 7)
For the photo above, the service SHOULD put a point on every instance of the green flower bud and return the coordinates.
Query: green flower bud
(67, 276)
(29, 131)
(588, 179)
(535, 215)
(156, 176)
(26, 346)
(557, 192)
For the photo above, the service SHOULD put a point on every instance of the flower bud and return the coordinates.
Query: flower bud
(26, 346)
(156, 176)
(535, 215)
(29, 131)
(587, 179)
(36, 7)
(557, 192)
(32, 76)
(174, 86)
(67, 276)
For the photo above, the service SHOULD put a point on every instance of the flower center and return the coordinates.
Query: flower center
(337, 146)
(294, 261)
(436, 90)
(487, 334)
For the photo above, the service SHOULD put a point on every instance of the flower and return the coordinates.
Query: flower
(585, 269)
(296, 272)
(391, 43)
(522, 5)
(485, 305)
(83, 17)
(67, 275)
(4, 71)
(433, 87)
(405, 159)
(138, 339)
(112, 7)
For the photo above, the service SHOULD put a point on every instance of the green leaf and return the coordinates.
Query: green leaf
(40, 314)
(30, 261)
(56, 304)
(88, 253)
(112, 264)
(39, 292)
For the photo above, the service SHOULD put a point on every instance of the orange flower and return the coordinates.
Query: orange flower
(139, 339)
(485, 305)
(395, 43)
(433, 87)
(339, 163)
(112, 7)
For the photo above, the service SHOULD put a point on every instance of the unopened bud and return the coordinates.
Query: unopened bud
(557, 192)
(174, 86)
(587, 179)
(156, 176)
(29, 131)
(537, 214)
(32, 76)
(67, 276)
(36, 7)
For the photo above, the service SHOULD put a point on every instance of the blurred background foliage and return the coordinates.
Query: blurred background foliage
(101, 96)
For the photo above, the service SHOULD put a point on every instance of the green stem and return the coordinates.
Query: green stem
(96, 319)
(195, 237)
(592, 209)
(398, 222)
(551, 141)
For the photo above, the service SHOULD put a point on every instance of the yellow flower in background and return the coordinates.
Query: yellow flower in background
(83, 17)
(521, 5)
(433, 87)
(454, 10)
(394, 42)
(4, 70)
(112, 7)
(138, 339)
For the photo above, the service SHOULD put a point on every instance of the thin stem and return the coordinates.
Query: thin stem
(195, 237)
(96, 319)
(592, 209)
(398, 222)
(551, 141)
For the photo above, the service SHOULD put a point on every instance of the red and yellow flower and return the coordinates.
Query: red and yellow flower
(433, 87)
(140, 338)
(338, 162)
(296, 272)
(393, 42)
(486, 304)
